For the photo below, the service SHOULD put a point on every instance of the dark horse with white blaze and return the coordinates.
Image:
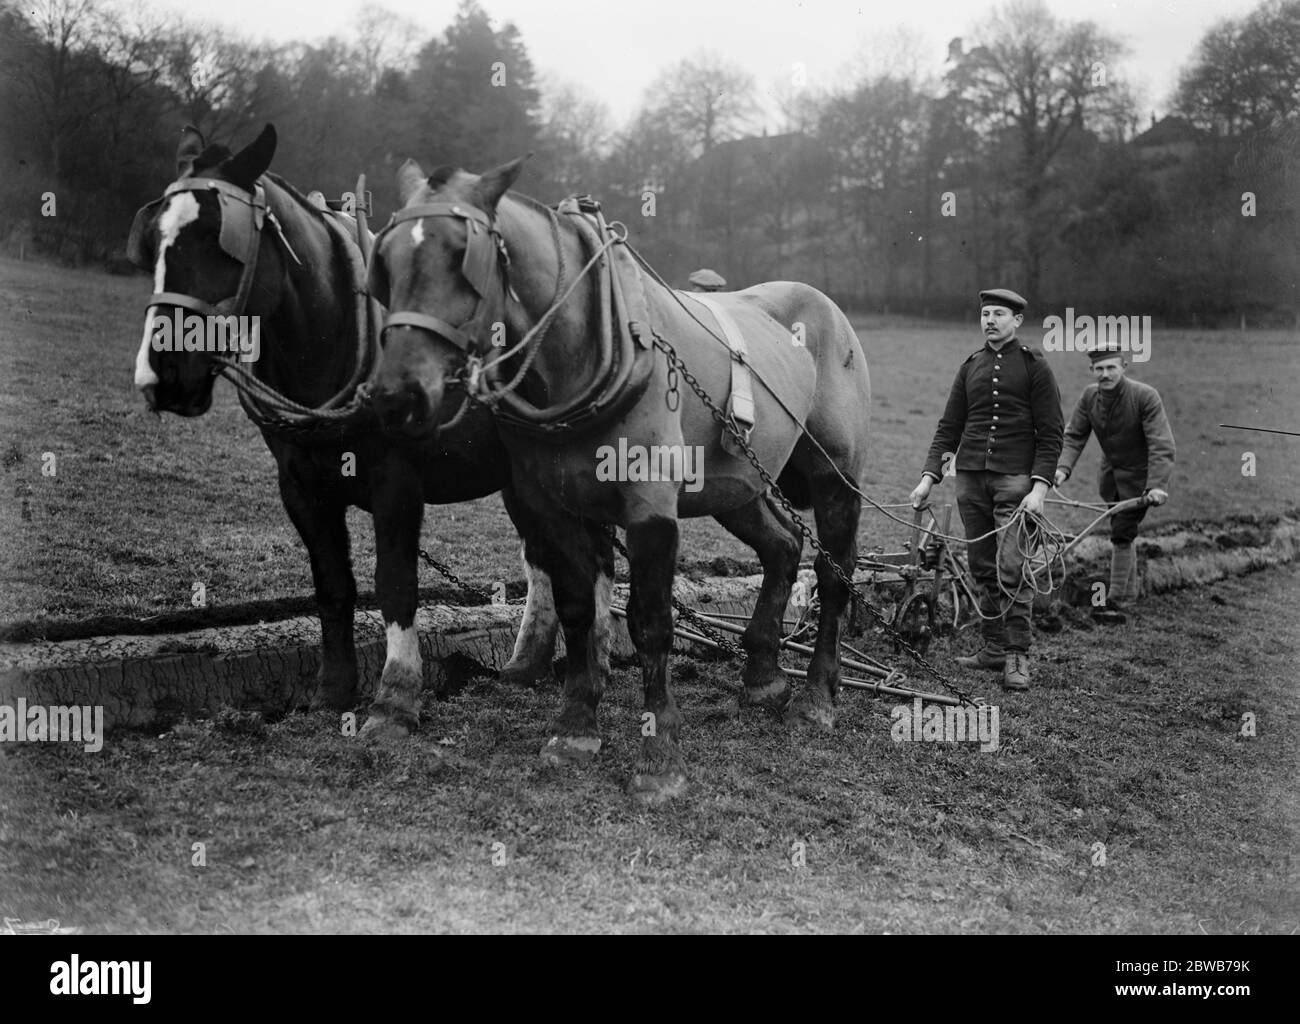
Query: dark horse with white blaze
(228, 238)
(445, 304)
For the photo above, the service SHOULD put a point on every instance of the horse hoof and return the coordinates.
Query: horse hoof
(332, 700)
(564, 750)
(774, 697)
(383, 729)
(653, 790)
(819, 716)
(523, 674)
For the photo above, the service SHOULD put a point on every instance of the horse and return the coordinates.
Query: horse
(474, 278)
(229, 237)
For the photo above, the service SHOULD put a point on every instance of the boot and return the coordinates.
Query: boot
(1016, 674)
(1134, 586)
(1123, 568)
(986, 658)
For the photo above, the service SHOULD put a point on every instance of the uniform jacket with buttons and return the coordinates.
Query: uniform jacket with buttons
(1131, 428)
(1003, 415)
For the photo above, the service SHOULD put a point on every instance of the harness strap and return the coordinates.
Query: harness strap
(740, 404)
(624, 361)
(437, 325)
(256, 201)
(184, 301)
(266, 406)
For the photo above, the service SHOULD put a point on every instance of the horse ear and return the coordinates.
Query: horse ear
(251, 162)
(191, 145)
(441, 175)
(493, 184)
(139, 246)
(410, 180)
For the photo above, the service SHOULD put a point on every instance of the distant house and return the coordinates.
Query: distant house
(1169, 140)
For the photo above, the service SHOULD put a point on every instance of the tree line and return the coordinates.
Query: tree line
(1025, 163)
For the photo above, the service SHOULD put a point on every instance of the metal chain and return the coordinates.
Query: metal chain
(676, 362)
(728, 647)
(477, 591)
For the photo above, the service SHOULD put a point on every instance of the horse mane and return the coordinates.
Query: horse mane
(296, 195)
(215, 155)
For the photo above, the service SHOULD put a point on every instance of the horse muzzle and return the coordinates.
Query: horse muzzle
(409, 389)
(406, 407)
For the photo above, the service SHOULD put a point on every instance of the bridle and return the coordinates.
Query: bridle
(485, 252)
(241, 239)
(244, 215)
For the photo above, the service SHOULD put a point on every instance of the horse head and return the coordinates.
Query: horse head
(440, 268)
(202, 240)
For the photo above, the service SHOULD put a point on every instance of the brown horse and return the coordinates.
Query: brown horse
(647, 456)
(229, 238)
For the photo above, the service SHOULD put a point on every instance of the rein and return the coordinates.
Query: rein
(622, 374)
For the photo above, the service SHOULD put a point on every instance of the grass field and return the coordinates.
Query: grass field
(1122, 743)
(139, 509)
(1129, 739)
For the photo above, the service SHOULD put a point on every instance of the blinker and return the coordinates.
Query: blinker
(484, 248)
(237, 230)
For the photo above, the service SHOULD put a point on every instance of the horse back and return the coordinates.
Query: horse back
(803, 347)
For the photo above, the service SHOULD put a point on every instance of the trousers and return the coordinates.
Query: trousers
(1120, 485)
(987, 501)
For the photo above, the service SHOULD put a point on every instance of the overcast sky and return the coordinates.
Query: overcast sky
(615, 48)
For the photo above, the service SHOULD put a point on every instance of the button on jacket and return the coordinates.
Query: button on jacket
(1003, 415)
(1131, 428)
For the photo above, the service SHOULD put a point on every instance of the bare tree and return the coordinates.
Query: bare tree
(576, 134)
(385, 42)
(704, 100)
(1246, 74)
(56, 76)
(1030, 86)
(213, 74)
(135, 58)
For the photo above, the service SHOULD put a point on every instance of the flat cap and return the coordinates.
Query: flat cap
(706, 278)
(1003, 297)
(1108, 349)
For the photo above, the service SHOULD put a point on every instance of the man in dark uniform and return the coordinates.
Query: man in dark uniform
(1001, 433)
(1137, 459)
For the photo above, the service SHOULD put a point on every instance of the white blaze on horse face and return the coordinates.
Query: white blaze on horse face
(181, 210)
(144, 375)
(536, 636)
(417, 231)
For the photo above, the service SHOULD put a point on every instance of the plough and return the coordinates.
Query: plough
(931, 593)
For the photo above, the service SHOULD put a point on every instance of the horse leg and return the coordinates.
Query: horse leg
(535, 643)
(837, 510)
(398, 505)
(323, 528)
(766, 529)
(659, 772)
(582, 575)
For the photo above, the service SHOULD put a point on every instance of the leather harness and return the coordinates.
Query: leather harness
(625, 364)
(241, 238)
(740, 404)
